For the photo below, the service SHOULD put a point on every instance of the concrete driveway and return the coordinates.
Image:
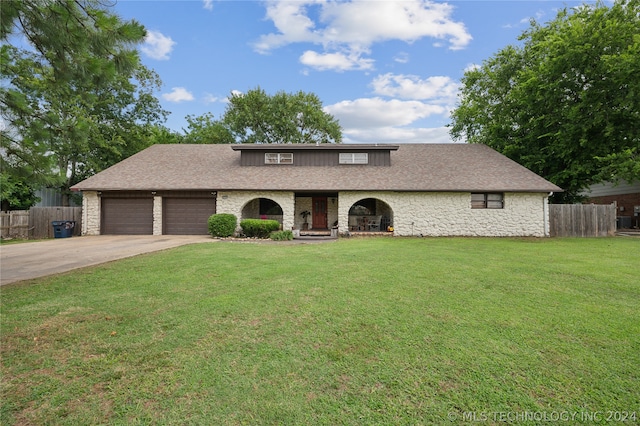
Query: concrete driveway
(41, 258)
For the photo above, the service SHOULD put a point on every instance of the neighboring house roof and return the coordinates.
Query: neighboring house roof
(608, 188)
(414, 167)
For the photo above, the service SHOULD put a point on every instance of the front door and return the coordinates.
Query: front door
(319, 218)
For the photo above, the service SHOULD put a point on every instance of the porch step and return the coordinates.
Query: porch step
(370, 234)
(316, 233)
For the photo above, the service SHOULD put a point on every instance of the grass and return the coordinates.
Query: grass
(360, 331)
(6, 241)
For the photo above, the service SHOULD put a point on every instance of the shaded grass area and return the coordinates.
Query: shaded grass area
(361, 331)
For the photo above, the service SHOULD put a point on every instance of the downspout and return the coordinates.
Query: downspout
(545, 209)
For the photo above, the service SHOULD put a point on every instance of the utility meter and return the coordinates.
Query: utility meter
(636, 210)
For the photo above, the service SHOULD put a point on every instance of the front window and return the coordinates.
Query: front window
(487, 200)
(278, 158)
(354, 158)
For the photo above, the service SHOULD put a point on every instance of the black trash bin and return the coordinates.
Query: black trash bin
(63, 228)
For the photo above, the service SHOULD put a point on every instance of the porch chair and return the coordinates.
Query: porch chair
(374, 223)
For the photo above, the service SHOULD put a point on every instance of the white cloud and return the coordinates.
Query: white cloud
(437, 89)
(375, 120)
(353, 26)
(377, 112)
(366, 22)
(207, 4)
(398, 135)
(335, 61)
(291, 20)
(178, 94)
(402, 58)
(157, 46)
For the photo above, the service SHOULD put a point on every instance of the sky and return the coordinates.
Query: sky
(388, 70)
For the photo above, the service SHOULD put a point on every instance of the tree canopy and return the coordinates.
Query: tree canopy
(256, 117)
(76, 98)
(566, 103)
(206, 129)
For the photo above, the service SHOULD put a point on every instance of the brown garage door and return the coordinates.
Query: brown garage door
(187, 216)
(127, 216)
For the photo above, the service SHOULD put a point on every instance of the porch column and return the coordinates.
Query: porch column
(90, 213)
(157, 215)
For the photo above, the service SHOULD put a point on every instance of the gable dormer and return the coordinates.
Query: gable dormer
(339, 155)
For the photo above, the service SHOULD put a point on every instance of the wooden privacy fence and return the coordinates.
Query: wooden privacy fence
(582, 220)
(36, 222)
(14, 224)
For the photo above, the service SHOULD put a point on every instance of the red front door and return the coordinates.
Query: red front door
(319, 217)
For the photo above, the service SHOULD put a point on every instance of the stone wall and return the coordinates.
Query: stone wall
(450, 214)
(90, 213)
(157, 215)
(234, 201)
(413, 213)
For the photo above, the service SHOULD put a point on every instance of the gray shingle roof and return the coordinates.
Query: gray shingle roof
(414, 167)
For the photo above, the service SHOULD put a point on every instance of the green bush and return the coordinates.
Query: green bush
(282, 235)
(259, 228)
(222, 224)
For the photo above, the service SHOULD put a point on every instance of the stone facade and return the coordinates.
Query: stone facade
(410, 213)
(450, 214)
(234, 202)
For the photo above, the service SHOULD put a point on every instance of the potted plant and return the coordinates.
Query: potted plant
(305, 214)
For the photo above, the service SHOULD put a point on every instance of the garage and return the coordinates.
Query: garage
(187, 216)
(127, 215)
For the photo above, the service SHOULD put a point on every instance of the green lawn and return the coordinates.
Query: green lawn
(359, 331)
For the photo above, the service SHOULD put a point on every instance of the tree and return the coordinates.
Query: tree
(567, 103)
(16, 193)
(77, 98)
(205, 129)
(159, 134)
(255, 117)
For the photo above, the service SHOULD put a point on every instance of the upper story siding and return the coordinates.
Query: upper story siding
(313, 158)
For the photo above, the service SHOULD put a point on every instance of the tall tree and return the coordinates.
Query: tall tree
(206, 129)
(77, 98)
(565, 104)
(159, 134)
(256, 117)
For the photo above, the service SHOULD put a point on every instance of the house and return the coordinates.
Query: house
(406, 189)
(626, 196)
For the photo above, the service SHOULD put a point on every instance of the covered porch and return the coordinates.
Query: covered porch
(317, 214)
(320, 214)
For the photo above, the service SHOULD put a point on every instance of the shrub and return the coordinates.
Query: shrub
(222, 224)
(259, 228)
(282, 235)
